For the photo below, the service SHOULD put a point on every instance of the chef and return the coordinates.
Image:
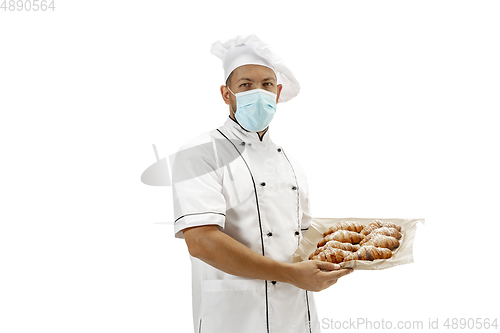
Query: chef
(241, 204)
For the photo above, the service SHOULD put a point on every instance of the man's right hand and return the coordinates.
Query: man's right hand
(223, 252)
(315, 275)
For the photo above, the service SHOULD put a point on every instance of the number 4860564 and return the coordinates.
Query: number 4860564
(27, 5)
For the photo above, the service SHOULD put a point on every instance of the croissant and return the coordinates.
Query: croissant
(332, 255)
(370, 227)
(382, 241)
(343, 236)
(338, 245)
(343, 246)
(390, 225)
(345, 225)
(369, 253)
(378, 224)
(382, 231)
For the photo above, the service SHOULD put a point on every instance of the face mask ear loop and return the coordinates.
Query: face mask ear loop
(234, 111)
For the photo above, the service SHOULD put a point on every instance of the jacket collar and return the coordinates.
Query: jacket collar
(245, 136)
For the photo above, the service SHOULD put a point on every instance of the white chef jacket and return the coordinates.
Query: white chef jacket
(257, 194)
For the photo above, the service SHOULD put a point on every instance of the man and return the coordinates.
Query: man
(241, 204)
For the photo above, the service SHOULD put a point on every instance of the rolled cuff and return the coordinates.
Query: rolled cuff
(198, 219)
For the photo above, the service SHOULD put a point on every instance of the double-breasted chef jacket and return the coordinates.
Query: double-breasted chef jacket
(257, 194)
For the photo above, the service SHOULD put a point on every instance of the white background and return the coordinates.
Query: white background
(397, 117)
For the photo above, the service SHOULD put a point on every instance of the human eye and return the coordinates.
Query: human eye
(244, 85)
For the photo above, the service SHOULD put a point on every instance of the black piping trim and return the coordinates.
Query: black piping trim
(199, 327)
(304, 229)
(260, 138)
(308, 313)
(260, 221)
(198, 214)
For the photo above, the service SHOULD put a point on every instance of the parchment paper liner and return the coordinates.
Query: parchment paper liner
(401, 255)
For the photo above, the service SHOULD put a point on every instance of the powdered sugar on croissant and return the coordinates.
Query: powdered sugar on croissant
(369, 253)
(370, 227)
(345, 225)
(335, 244)
(340, 242)
(382, 231)
(390, 225)
(332, 255)
(376, 224)
(383, 241)
(343, 236)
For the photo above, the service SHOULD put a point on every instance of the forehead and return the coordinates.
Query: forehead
(253, 71)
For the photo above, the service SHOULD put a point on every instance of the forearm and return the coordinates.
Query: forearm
(228, 255)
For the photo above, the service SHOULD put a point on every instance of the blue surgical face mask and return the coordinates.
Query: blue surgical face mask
(255, 109)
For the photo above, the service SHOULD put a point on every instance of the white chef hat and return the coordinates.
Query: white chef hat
(250, 50)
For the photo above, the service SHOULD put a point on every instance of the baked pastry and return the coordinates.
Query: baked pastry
(370, 227)
(345, 225)
(382, 231)
(378, 224)
(369, 253)
(390, 225)
(343, 246)
(343, 236)
(382, 241)
(335, 244)
(340, 242)
(332, 255)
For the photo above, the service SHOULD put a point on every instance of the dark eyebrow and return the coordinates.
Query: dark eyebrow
(266, 79)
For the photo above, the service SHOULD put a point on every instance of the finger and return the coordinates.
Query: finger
(339, 273)
(328, 266)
